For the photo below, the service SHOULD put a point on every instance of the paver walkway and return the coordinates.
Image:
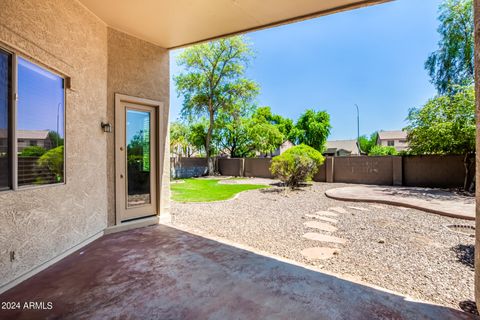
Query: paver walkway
(430, 200)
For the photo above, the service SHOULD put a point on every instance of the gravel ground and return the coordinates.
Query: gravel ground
(404, 250)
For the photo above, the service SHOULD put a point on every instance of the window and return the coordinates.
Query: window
(36, 129)
(5, 103)
(391, 143)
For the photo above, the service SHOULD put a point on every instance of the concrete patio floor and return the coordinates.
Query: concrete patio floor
(431, 200)
(164, 273)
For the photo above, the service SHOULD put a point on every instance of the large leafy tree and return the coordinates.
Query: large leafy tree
(313, 129)
(232, 130)
(265, 131)
(452, 64)
(445, 125)
(284, 125)
(214, 80)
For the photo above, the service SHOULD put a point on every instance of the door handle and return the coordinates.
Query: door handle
(121, 176)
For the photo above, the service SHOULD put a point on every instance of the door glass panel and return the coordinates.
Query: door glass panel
(138, 157)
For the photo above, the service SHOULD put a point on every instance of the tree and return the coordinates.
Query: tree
(296, 165)
(265, 137)
(32, 151)
(232, 130)
(377, 150)
(214, 80)
(367, 143)
(179, 144)
(313, 129)
(452, 64)
(445, 125)
(284, 125)
(55, 138)
(265, 130)
(197, 136)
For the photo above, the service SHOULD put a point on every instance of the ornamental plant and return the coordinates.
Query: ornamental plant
(296, 165)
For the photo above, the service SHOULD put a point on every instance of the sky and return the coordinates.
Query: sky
(40, 98)
(373, 57)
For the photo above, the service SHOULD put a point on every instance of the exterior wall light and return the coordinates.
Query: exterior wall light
(107, 127)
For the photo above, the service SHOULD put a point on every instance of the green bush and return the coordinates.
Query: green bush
(382, 151)
(296, 165)
(33, 151)
(53, 160)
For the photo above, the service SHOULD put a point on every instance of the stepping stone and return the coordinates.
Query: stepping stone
(327, 213)
(338, 209)
(314, 216)
(357, 208)
(319, 253)
(323, 237)
(320, 225)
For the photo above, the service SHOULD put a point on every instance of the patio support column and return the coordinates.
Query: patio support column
(476, 5)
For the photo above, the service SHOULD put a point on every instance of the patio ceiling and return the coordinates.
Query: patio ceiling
(176, 23)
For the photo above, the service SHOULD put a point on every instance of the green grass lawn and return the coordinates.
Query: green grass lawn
(206, 190)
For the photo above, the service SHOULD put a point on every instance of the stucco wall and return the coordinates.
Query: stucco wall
(367, 170)
(137, 68)
(188, 167)
(40, 224)
(476, 5)
(258, 167)
(433, 171)
(231, 167)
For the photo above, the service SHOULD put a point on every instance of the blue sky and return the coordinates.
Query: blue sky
(373, 57)
(41, 97)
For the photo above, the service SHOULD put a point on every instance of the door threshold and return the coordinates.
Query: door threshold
(133, 224)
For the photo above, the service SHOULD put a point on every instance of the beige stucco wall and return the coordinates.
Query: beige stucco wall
(137, 68)
(40, 224)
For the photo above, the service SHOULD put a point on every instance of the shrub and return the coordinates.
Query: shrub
(382, 151)
(53, 160)
(296, 165)
(33, 151)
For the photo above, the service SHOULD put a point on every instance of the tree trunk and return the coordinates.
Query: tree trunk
(467, 162)
(210, 165)
(468, 184)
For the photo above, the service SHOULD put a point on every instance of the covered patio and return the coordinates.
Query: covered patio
(74, 248)
(160, 272)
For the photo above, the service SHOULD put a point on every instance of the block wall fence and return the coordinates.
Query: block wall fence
(414, 171)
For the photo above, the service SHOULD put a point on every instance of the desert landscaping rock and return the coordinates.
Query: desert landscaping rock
(338, 209)
(323, 238)
(320, 225)
(319, 253)
(420, 257)
(314, 216)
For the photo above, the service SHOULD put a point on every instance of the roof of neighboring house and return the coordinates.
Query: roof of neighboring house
(392, 135)
(32, 134)
(287, 143)
(347, 145)
(27, 134)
